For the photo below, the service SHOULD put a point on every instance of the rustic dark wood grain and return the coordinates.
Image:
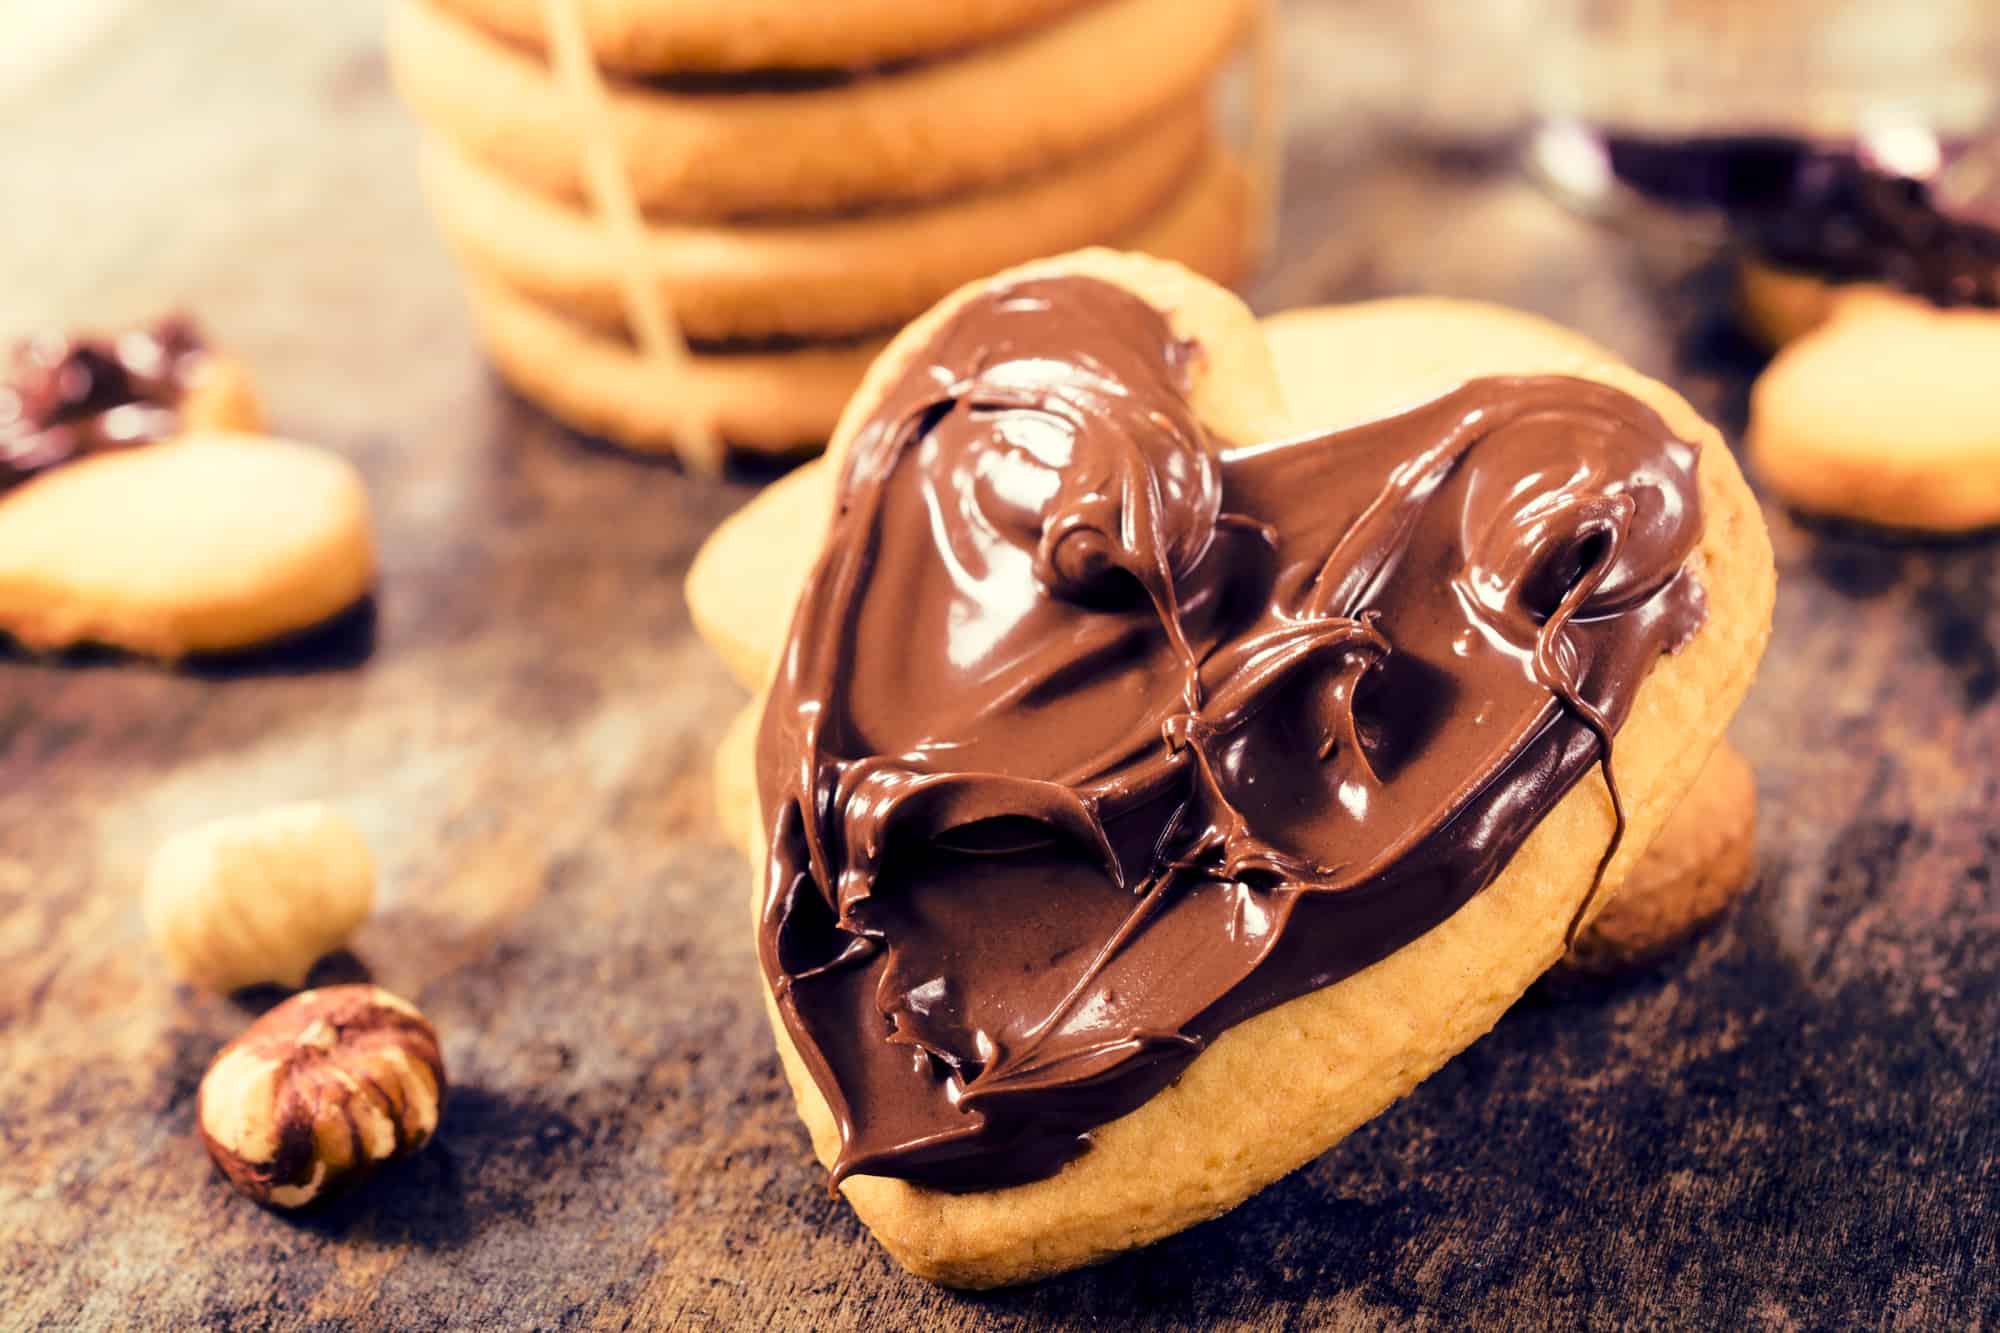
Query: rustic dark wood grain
(1795, 1124)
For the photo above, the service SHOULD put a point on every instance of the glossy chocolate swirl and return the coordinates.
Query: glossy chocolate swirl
(1092, 739)
(68, 398)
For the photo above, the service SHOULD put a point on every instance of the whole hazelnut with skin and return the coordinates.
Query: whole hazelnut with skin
(320, 1093)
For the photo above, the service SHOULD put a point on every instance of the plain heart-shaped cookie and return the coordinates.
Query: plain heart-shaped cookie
(142, 508)
(1885, 413)
(1278, 1088)
(200, 544)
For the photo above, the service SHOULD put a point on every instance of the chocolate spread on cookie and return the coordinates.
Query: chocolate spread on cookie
(65, 399)
(1093, 738)
(1836, 210)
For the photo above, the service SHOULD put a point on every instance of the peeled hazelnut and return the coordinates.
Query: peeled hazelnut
(320, 1093)
(259, 897)
(220, 396)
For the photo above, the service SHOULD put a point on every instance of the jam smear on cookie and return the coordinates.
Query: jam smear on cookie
(1095, 736)
(1838, 209)
(68, 398)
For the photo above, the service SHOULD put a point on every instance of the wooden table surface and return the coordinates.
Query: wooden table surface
(1793, 1124)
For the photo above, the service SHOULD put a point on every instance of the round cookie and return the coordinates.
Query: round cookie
(1886, 414)
(1780, 305)
(781, 400)
(204, 543)
(739, 36)
(1275, 1091)
(772, 401)
(1701, 862)
(818, 277)
(993, 114)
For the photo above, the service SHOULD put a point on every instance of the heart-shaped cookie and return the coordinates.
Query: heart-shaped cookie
(1704, 856)
(1081, 985)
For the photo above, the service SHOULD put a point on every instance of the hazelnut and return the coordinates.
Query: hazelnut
(220, 395)
(320, 1092)
(258, 897)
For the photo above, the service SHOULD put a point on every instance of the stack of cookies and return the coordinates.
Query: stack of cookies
(698, 220)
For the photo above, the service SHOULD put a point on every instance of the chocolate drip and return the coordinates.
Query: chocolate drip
(70, 398)
(1833, 209)
(1092, 740)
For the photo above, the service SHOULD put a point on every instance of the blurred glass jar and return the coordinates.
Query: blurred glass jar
(1911, 79)
(1816, 68)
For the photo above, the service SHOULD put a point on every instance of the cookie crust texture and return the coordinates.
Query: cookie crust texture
(807, 277)
(1702, 861)
(994, 114)
(749, 36)
(784, 399)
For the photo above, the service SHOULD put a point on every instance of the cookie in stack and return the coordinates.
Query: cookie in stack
(786, 183)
